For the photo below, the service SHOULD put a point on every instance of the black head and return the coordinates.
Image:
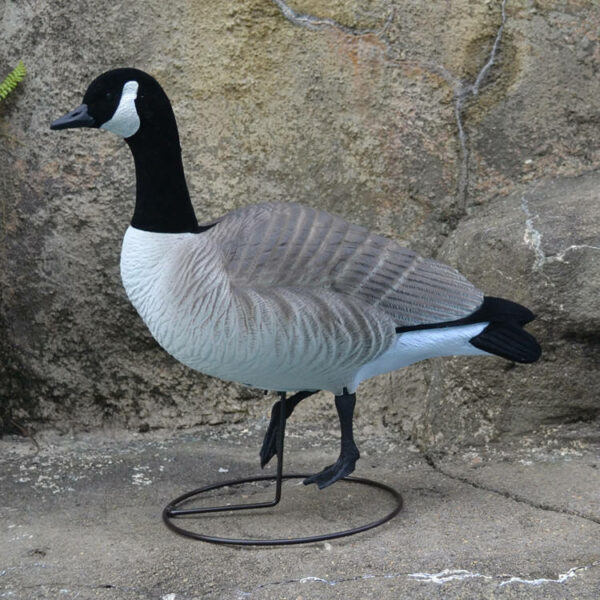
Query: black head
(132, 104)
(121, 101)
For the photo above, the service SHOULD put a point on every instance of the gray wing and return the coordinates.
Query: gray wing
(288, 245)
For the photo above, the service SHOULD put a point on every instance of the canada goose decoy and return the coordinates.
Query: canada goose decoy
(281, 296)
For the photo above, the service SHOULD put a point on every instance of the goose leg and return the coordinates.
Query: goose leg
(269, 445)
(349, 453)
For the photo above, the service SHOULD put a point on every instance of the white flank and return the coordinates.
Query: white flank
(126, 121)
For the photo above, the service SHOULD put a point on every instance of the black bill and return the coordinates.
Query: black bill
(76, 118)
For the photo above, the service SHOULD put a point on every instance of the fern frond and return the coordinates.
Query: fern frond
(10, 83)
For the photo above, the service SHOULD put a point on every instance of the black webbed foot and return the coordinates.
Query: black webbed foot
(342, 467)
(349, 453)
(269, 445)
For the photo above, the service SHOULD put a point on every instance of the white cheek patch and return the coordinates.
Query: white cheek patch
(126, 121)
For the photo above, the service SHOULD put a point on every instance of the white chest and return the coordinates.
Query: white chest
(174, 282)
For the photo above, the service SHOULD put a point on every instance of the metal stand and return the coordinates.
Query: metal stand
(171, 511)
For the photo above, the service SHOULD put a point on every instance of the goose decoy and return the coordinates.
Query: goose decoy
(281, 296)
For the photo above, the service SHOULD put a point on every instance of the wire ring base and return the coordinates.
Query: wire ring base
(171, 512)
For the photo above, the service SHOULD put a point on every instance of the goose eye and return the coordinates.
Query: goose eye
(108, 96)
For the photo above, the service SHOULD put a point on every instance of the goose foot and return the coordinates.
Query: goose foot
(342, 467)
(269, 445)
(349, 453)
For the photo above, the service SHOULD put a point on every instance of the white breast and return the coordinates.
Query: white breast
(172, 282)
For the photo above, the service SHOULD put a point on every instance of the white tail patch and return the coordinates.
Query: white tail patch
(126, 121)
(413, 346)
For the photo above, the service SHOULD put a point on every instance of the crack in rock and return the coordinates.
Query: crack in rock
(562, 577)
(448, 575)
(313, 579)
(511, 495)
(440, 578)
(533, 239)
(494, 52)
(317, 23)
(462, 90)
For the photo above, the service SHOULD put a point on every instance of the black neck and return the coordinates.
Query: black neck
(162, 201)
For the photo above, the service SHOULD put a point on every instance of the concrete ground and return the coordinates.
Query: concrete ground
(81, 518)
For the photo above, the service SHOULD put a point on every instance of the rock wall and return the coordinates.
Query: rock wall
(466, 130)
(541, 245)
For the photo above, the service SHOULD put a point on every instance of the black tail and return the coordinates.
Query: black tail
(500, 310)
(509, 341)
(504, 336)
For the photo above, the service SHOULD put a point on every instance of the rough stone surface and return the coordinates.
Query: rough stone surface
(81, 519)
(359, 119)
(542, 242)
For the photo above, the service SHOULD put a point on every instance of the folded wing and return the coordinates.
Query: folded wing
(269, 246)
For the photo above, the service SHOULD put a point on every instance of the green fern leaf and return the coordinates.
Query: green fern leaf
(11, 81)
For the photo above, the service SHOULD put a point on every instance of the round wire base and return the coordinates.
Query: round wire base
(172, 511)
